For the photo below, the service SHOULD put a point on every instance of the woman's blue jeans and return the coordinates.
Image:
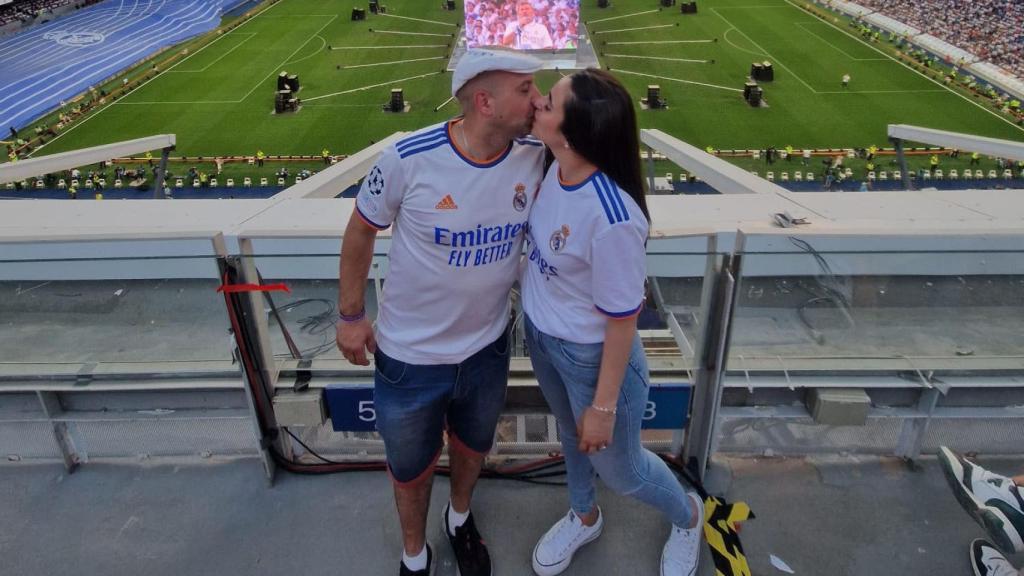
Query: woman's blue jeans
(567, 373)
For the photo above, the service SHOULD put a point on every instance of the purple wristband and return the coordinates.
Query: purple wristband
(354, 317)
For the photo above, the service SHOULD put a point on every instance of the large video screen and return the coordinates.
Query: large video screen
(523, 24)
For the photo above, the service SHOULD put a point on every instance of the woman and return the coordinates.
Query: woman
(582, 290)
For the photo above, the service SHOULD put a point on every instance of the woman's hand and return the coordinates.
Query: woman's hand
(595, 430)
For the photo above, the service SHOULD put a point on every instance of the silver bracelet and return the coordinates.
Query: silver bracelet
(603, 410)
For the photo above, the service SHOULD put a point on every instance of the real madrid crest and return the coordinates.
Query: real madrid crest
(559, 238)
(519, 200)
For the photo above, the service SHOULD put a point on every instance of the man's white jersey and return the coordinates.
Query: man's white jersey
(533, 36)
(586, 257)
(457, 242)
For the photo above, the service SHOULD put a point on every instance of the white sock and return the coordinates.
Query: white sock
(455, 519)
(417, 562)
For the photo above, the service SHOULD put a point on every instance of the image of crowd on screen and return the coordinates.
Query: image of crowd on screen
(522, 24)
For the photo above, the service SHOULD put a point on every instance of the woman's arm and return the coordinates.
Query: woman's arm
(596, 426)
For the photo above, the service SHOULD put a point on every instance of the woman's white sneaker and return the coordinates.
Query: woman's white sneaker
(682, 550)
(553, 552)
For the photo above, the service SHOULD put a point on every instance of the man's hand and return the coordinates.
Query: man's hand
(356, 340)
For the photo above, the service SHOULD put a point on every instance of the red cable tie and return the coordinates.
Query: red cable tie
(231, 288)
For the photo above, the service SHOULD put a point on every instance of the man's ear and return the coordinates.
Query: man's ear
(484, 103)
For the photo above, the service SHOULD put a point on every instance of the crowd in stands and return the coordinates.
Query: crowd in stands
(990, 29)
(28, 10)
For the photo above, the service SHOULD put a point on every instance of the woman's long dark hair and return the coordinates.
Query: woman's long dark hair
(600, 125)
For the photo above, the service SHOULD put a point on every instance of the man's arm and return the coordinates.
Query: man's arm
(356, 338)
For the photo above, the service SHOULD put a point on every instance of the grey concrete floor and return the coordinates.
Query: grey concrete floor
(837, 515)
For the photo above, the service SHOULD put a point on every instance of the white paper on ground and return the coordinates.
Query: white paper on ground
(780, 565)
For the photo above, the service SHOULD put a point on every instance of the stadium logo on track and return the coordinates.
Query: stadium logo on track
(75, 39)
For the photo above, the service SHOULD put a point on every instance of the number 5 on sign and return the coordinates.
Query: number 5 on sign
(351, 408)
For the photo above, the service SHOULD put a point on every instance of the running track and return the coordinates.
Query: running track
(57, 60)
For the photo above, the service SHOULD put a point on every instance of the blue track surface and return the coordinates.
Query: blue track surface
(55, 61)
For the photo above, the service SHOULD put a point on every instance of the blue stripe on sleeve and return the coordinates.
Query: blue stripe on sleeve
(604, 203)
(368, 221)
(617, 197)
(424, 148)
(625, 314)
(413, 141)
(606, 198)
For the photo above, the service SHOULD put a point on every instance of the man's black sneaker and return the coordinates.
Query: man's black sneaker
(428, 571)
(471, 557)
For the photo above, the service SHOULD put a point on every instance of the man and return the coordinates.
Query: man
(526, 34)
(459, 195)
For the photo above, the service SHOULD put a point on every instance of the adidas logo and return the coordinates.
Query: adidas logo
(446, 203)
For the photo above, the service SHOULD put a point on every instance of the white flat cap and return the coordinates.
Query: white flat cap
(479, 60)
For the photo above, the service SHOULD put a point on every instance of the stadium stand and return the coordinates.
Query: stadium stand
(990, 29)
(52, 62)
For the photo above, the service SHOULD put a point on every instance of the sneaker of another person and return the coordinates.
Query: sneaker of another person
(471, 557)
(554, 551)
(993, 500)
(681, 553)
(987, 561)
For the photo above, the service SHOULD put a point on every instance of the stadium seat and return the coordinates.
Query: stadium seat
(213, 182)
(61, 184)
(783, 155)
(195, 182)
(953, 174)
(809, 177)
(850, 154)
(784, 176)
(770, 176)
(756, 154)
(871, 176)
(76, 184)
(967, 174)
(298, 179)
(117, 183)
(683, 177)
(992, 174)
(897, 175)
(230, 183)
(938, 173)
(179, 183)
(754, 172)
(883, 175)
(1008, 174)
(247, 182)
(88, 183)
(39, 184)
(848, 172)
(251, 161)
(264, 182)
(102, 182)
(926, 176)
(798, 176)
(668, 176)
(979, 174)
(280, 182)
(9, 186)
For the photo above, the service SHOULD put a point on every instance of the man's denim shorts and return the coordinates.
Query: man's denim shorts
(416, 403)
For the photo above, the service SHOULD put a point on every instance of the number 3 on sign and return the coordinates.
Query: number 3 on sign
(367, 413)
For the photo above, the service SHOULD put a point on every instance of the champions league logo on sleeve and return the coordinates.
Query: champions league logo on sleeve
(375, 181)
(75, 39)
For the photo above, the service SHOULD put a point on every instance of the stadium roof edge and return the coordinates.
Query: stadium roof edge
(990, 146)
(22, 169)
(719, 174)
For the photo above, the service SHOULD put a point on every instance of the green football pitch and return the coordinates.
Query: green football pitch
(218, 99)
